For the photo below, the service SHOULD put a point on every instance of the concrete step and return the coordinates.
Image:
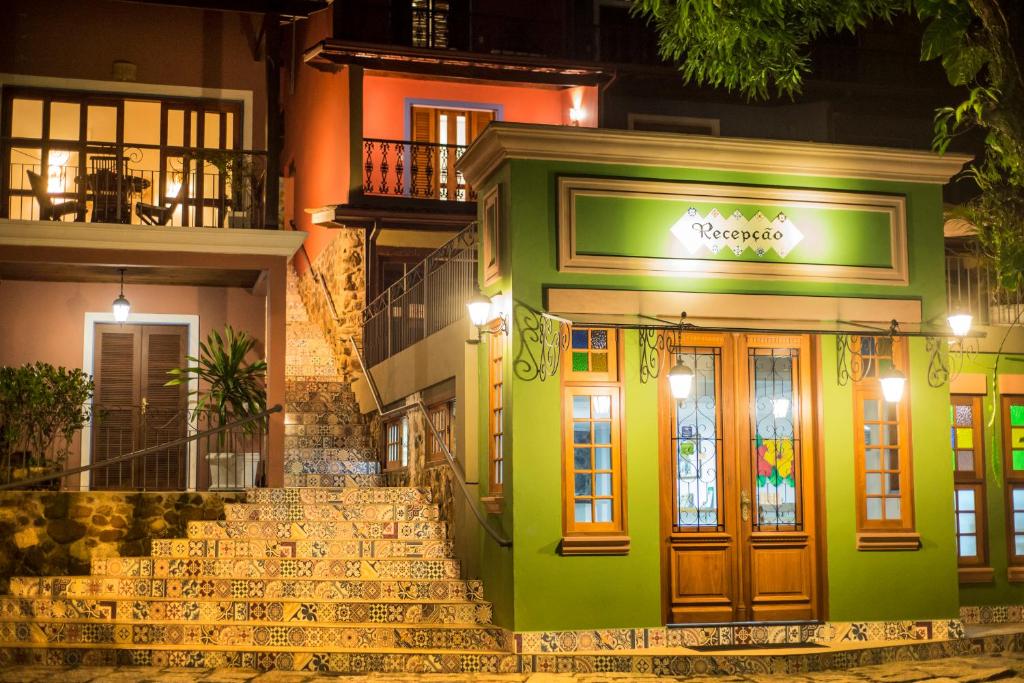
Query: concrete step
(346, 495)
(239, 589)
(262, 611)
(327, 512)
(295, 637)
(163, 568)
(266, 658)
(294, 531)
(246, 548)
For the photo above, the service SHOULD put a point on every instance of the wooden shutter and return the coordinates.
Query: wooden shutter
(478, 120)
(424, 157)
(163, 348)
(117, 380)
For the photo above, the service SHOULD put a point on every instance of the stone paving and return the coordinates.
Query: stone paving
(1008, 668)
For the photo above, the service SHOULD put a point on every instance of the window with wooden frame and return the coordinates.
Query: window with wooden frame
(396, 443)
(496, 420)
(967, 443)
(882, 450)
(442, 415)
(593, 475)
(1013, 465)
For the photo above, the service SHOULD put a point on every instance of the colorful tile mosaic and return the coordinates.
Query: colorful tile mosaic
(992, 614)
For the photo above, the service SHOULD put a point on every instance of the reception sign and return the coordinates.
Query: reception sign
(627, 226)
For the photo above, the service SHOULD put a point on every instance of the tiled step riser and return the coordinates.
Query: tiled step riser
(328, 550)
(264, 660)
(225, 611)
(346, 496)
(422, 570)
(247, 589)
(318, 463)
(68, 632)
(336, 480)
(289, 531)
(322, 454)
(329, 512)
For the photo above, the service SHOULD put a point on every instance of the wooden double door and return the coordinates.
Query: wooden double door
(738, 481)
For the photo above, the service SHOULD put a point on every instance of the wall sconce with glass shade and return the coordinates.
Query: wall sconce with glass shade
(577, 114)
(122, 307)
(893, 382)
(680, 381)
(960, 322)
(481, 314)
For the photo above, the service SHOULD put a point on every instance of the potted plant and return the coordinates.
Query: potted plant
(42, 407)
(231, 388)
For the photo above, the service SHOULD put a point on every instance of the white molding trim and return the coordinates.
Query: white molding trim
(569, 260)
(128, 88)
(733, 307)
(24, 233)
(501, 141)
(713, 125)
(88, 355)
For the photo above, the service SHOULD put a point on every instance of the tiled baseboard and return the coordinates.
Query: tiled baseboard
(992, 614)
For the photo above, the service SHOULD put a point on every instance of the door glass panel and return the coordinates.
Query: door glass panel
(101, 124)
(697, 443)
(64, 120)
(142, 122)
(775, 437)
(27, 118)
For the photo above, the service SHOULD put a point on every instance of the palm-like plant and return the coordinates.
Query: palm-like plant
(234, 387)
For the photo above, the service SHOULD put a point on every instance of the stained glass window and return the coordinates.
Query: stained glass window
(592, 355)
(697, 443)
(1013, 435)
(775, 437)
(592, 420)
(966, 439)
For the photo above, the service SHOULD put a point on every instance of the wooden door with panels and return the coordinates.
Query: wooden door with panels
(440, 136)
(134, 409)
(738, 473)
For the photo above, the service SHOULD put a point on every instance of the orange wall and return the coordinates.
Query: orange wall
(316, 151)
(169, 45)
(385, 115)
(45, 321)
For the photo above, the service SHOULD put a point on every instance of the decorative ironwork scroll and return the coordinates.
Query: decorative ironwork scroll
(542, 340)
(938, 365)
(652, 343)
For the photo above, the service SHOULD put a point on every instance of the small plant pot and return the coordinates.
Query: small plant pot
(232, 471)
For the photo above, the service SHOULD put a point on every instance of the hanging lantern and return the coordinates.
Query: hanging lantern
(680, 380)
(893, 382)
(122, 307)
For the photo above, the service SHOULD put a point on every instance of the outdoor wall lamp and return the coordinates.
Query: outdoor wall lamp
(893, 382)
(121, 305)
(480, 306)
(576, 115)
(960, 322)
(680, 381)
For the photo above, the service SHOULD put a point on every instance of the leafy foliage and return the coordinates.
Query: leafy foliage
(761, 49)
(41, 409)
(231, 387)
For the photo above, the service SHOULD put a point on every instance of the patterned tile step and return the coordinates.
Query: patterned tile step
(326, 512)
(245, 548)
(322, 464)
(246, 589)
(263, 611)
(347, 636)
(289, 531)
(328, 455)
(163, 568)
(325, 441)
(334, 480)
(349, 496)
(265, 659)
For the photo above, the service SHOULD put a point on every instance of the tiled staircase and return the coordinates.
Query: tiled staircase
(333, 573)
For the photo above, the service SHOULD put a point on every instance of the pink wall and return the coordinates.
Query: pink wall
(170, 45)
(385, 115)
(316, 151)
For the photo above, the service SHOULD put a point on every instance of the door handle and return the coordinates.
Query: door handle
(745, 505)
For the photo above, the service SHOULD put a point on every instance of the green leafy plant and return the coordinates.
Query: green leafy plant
(231, 387)
(41, 409)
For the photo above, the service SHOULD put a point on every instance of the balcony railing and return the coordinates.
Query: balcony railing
(427, 299)
(418, 170)
(182, 456)
(971, 287)
(138, 185)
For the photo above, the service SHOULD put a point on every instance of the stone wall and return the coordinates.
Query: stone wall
(44, 533)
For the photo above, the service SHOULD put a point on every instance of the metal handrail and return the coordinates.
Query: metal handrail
(21, 483)
(449, 458)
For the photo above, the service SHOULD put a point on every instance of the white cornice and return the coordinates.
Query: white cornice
(502, 141)
(17, 233)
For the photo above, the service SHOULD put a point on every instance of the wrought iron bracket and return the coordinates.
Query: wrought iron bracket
(541, 340)
(653, 341)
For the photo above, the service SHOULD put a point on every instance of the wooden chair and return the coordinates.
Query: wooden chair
(110, 187)
(155, 214)
(48, 210)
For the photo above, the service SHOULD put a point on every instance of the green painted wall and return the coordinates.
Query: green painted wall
(555, 592)
(1000, 591)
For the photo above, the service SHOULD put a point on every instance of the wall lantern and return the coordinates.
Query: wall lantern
(480, 307)
(680, 381)
(576, 114)
(893, 382)
(121, 305)
(960, 322)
